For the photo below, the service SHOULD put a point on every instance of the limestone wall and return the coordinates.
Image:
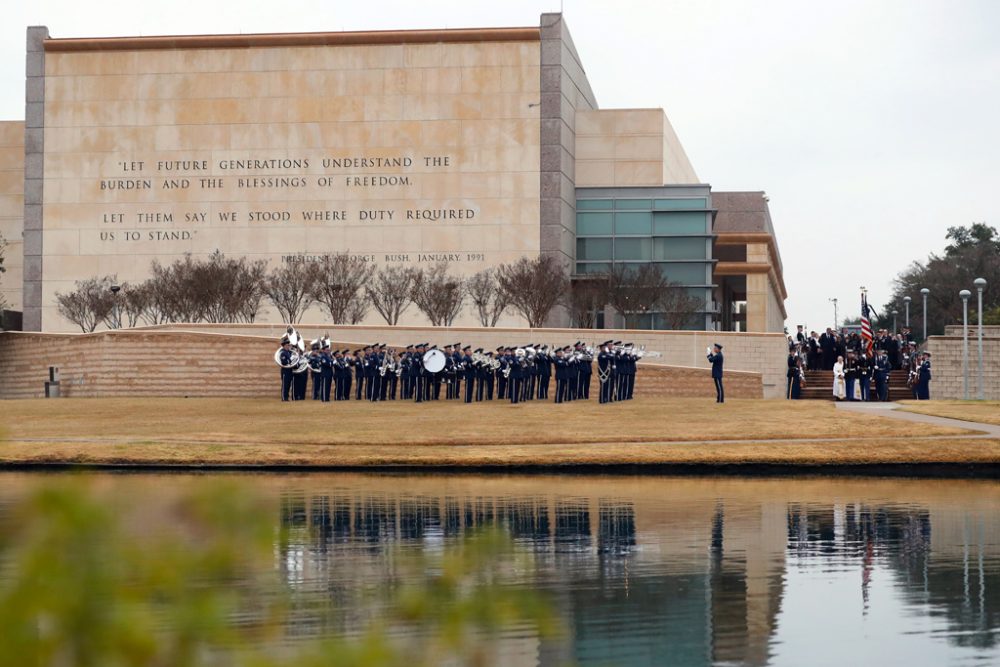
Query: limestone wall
(12, 209)
(629, 147)
(946, 364)
(401, 153)
(199, 364)
(761, 353)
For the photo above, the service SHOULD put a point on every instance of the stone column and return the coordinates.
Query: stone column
(34, 174)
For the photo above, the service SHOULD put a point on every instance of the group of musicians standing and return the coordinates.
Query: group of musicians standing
(418, 372)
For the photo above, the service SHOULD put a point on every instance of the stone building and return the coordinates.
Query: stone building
(474, 146)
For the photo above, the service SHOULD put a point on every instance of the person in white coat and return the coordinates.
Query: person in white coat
(839, 380)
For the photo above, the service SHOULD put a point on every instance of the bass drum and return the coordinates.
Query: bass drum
(434, 361)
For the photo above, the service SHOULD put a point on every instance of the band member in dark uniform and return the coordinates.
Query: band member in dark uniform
(924, 378)
(501, 373)
(300, 382)
(515, 382)
(562, 375)
(586, 370)
(359, 374)
(327, 366)
(468, 369)
(605, 366)
(544, 362)
(316, 370)
(715, 358)
(285, 359)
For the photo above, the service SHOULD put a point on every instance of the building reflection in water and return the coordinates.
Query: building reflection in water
(641, 580)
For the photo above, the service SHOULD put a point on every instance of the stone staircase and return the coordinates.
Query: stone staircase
(819, 386)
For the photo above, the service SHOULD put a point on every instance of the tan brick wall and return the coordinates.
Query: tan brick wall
(179, 363)
(946, 366)
(760, 353)
(12, 209)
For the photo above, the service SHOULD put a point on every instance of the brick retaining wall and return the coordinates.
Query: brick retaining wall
(761, 353)
(946, 365)
(150, 362)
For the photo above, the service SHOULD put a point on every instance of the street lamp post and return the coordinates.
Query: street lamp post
(906, 302)
(836, 320)
(980, 284)
(965, 294)
(894, 313)
(114, 294)
(925, 292)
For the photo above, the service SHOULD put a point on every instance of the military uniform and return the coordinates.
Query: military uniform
(562, 375)
(605, 368)
(883, 368)
(715, 358)
(924, 378)
(285, 358)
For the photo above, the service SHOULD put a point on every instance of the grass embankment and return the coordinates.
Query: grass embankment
(644, 431)
(986, 412)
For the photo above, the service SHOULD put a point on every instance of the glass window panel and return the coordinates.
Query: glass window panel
(593, 267)
(594, 204)
(675, 204)
(633, 223)
(680, 223)
(684, 247)
(634, 249)
(593, 224)
(685, 274)
(634, 204)
(589, 249)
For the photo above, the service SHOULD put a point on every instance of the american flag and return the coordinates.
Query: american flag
(866, 325)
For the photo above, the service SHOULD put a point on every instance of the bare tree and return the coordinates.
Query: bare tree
(484, 290)
(634, 290)
(438, 294)
(390, 291)
(339, 284)
(248, 292)
(133, 302)
(533, 287)
(178, 294)
(89, 304)
(637, 290)
(587, 295)
(356, 310)
(289, 287)
(679, 306)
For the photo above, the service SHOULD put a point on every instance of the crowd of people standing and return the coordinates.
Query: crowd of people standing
(858, 369)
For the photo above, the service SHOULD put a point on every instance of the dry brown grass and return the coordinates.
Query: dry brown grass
(986, 412)
(644, 431)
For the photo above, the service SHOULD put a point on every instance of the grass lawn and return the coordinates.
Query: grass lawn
(653, 430)
(987, 412)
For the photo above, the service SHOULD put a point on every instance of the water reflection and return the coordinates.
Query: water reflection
(667, 571)
(670, 574)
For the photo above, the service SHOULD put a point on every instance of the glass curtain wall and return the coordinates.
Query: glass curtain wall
(675, 234)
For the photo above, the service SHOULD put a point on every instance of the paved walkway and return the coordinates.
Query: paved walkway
(893, 411)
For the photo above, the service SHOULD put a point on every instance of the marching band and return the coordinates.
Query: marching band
(417, 372)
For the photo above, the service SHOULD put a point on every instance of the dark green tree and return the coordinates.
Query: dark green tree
(973, 252)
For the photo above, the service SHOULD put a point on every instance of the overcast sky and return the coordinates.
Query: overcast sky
(872, 125)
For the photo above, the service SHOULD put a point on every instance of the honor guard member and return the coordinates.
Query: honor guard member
(864, 376)
(851, 375)
(285, 358)
(924, 378)
(605, 366)
(792, 370)
(883, 368)
(715, 358)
